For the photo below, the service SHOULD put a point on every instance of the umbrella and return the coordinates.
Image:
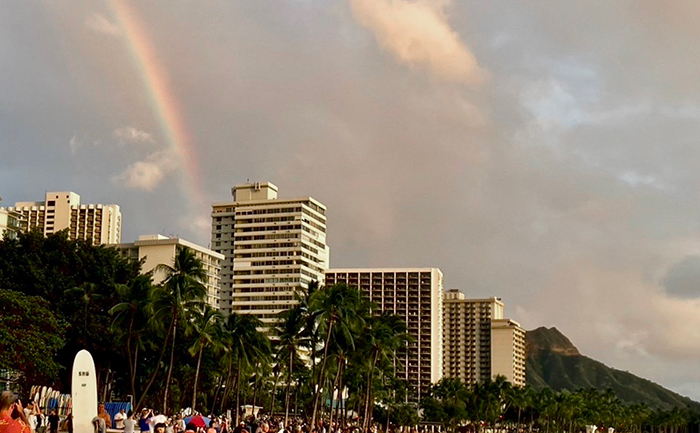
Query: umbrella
(199, 421)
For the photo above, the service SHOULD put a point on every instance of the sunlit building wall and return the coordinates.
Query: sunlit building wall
(271, 246)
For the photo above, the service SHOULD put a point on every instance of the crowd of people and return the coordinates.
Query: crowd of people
(14, 418)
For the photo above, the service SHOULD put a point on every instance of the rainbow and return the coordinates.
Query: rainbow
(163, 103)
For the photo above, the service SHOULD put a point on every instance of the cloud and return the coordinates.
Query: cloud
(417, 34)
(146, 175)
(129, 134)
(78, 141)
(99, 23)
(683, 278)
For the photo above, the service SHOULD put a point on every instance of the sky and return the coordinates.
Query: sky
(537, 150)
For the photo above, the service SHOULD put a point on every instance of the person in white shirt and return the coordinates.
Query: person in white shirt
(130, 423)
(119, 420)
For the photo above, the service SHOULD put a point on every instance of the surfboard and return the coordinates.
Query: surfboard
(84, 392)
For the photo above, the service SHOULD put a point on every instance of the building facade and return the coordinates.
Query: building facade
(415, 295)
(158, 249)
(10, 224)
(272, 247)
(478, 343)
(508, 351)
(98, 223)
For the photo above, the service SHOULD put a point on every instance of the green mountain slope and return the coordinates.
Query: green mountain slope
(554, 362)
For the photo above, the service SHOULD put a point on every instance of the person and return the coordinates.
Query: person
(30, 415)
(102, 413)
(119, 419)
(12, 419)
(159, 428)
(181, 427)
(240, 428)
(144, 425)
(53, 421)
(129, 422)
(69, 422)
(98, 423)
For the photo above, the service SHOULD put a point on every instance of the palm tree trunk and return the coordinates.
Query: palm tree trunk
(219, 384)
(255, 391)
(172, 362)
(227, 385)
(287, 400)
(274, 394)
(155, 371)
(227, 389)
(238, 393)
(196, 379)
(388, 417)
(338, 410)
(368, 397)
(332, 390)
(320, 375)
(132, 374)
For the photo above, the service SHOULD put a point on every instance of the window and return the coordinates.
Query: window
(51, 203)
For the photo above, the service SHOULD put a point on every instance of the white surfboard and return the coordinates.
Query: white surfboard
(84, 392)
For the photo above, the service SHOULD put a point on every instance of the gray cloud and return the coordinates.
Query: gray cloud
(683, 278)
(100, 24)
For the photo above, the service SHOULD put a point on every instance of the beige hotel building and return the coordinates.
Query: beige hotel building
(271, 246)
(99, 223)
(158, 249)
(415, 295)
(479, 343)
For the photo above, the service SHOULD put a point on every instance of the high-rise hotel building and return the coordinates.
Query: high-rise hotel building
(99, 223)
(415, 295)
(271, 247)
(479, 343)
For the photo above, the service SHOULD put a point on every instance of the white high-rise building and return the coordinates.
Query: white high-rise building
(271, 248)
(99, 223)
(508, 351)
(479, 343)
(158, 249)
(415, 295)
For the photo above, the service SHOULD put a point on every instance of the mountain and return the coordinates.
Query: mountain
(554, 362)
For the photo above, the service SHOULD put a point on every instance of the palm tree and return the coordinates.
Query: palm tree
(334, 306)
(88, 293)
(291, 339)
(130, 313)
(207, 327)
(246, 345)
(182, 292)
(384, 335)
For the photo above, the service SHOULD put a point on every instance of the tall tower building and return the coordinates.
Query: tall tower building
(271, 248)
(478, 343)
(415, 295)
(157, 249)
(100, 223)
